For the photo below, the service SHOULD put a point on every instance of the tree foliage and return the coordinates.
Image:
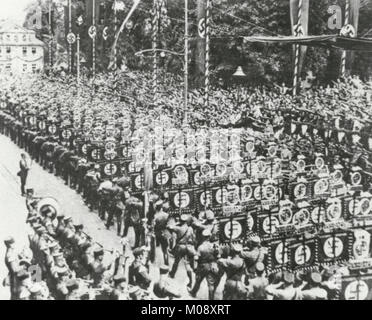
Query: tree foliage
(231, 20)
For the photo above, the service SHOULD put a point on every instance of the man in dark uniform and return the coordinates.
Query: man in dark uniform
(258, 284)
(253, 255)
(184, 247)
(207, 256)
(163, 288)
(138, 273)
(119, 291)
(23, 172)
(162, 234)
(12, 263)
(234, 267)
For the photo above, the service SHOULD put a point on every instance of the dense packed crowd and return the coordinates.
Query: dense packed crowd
(331, 125)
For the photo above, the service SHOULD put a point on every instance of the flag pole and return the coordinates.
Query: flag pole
(343, 57)
(50, 34)
(155, 26)
(186, 64)
(70, 31)
(297, 50)
(207, 54)
(94, 40)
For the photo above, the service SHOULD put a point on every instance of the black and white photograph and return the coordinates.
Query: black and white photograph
(187, 150)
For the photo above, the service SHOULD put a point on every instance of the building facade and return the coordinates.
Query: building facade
(20, 51)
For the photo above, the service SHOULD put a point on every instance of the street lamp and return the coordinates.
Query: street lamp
(239, 75)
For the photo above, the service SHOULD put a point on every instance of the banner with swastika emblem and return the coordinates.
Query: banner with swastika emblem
(233, 229)
(356, 287)
(333, 247)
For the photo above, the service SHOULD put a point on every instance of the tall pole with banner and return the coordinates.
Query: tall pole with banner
(299, 14)
(186, 64)
(155, 30)
(207, 56)
(50, 34)
(346, 22)
(297, 49)
(69, 36)
(92, 33)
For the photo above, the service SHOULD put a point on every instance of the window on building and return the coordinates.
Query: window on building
(8, 67)
(24, 69)
(16, 38)
(24, 50)
(1, 37)
(8, 50)
(24, 38)
(34, 68)
(8, 37)
(33, 50)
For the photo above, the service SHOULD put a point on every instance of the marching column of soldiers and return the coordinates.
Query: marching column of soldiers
(71, 266)
(64, 263)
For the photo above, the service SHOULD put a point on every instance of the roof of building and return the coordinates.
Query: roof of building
(12, 29)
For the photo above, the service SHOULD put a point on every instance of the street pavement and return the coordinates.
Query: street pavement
(13, 214)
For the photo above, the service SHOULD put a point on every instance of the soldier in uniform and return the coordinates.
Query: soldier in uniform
(258, 284)
(162, 234)
(253, 255)
(234, 267)
(283, 290)
(207, 256)
(209, 223)
(12, 263)
(164, 289)
(138, 273)
(98, 268)
(133, 216)
(313, 290)
(120, 291)
(184, 246)
(73, 287)
(24, 284)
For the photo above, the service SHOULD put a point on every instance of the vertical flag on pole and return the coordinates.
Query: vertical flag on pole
(207, 51)
(155, 30)
(299, 12)
(201, 45)
(350, 29)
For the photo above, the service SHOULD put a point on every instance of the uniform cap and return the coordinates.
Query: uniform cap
(22, 274)
(9, 240)
(36, 288)
(68, 218)
(237, 247)
(72, 284)
(79, 226)
(119, 278)
(255, 239)
(288, 277)
(260, 267)
(98, 252)
(164, 269)
(184, 217)
(138, 251)
(57, 254)
(206, 233)
(62, 270)
(60, 216)
(316, 277)
(209, 215)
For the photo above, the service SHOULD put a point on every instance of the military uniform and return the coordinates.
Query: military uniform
(162, 235)
(138, 273)
(234, 268)
(163, 288)
(208, 268)
(184, 248)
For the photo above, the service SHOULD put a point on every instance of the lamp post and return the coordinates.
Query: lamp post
(239, 75)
